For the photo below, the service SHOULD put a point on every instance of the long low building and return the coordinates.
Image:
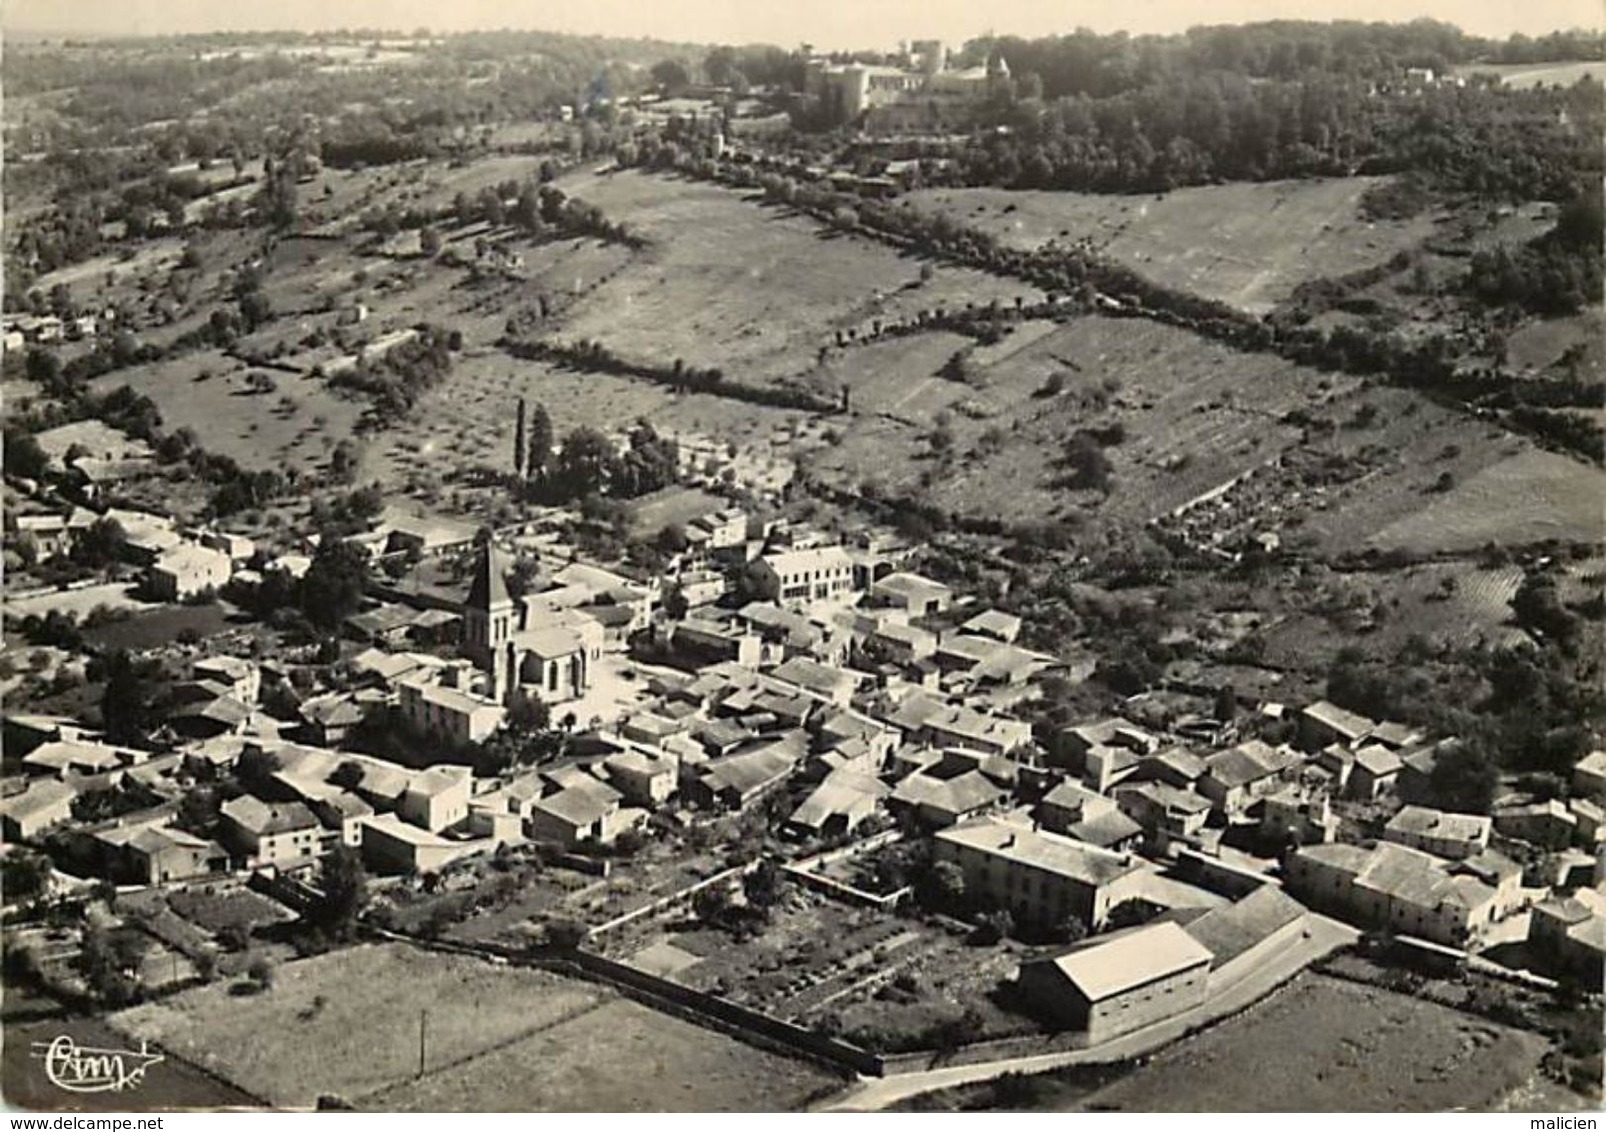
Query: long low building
(1120, 983)
(1042, 878)
(1406, 890)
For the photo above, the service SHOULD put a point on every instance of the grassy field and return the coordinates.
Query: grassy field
(1527, 498)
(296, 425)
(348, 1022)
(1245, 244)
(1522, 76)
(1321, 1045)
(618, 1056)
(1194, 415)
(496, 1038)
(755, 291)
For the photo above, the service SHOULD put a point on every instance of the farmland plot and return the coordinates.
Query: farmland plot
(755, 291)
(348, 1022)
(1248, 245)
(1320, 1045)
(1529, 497)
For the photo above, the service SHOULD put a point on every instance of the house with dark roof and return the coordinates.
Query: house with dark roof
(284, 835)
(156, 853)
(1405, 890)
(1569, 933)
(935, 803)
(827, 682)
(1042, 878)
(1246, 930)
(737, 781)
(1234, 778)
(1164, 812)
(1299, 812)
(1067, 803)
(586, 809)
(1440, 832)
(1174, 766)
(1548, 824)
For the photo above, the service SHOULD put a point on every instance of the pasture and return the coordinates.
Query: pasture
(1524, 76)
(348, 1022)
(495, 1039)
(1191, 414)
(614, 1056)
(1321, 1045)
(755, 291)
(260, 418)
(1526, 498)
(1248, 245)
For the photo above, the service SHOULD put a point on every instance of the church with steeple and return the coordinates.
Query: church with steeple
(526, 646)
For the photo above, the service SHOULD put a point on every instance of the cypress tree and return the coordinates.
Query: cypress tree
(521, 458)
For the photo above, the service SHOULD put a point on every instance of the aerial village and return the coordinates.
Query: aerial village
(671, 710)
(788, 773)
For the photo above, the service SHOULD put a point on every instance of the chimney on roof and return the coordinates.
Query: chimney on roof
(1009, 842)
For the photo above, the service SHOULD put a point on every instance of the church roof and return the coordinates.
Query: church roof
(489, 588)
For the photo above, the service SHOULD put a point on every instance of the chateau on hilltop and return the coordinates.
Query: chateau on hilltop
(921, 76)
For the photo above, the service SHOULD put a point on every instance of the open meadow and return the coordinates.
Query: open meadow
(1524, 76)
(496, 1038)
(347, 1023)
(1529, 497)
(1248, 245)
(616, 1056)
(753, 290)
(1322, 1045)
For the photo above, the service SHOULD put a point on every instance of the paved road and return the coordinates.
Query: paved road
(1326, 936)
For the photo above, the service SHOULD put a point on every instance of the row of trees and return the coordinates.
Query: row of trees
(1199, 128)
(1100, 66)
(594, 357)
(1094, 282)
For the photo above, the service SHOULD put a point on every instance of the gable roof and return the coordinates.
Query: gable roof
(264, 819)
(1121, 963)
(39, 797)
(1062, 856)
(1237, 766)
(1105, 829)
(1377, 761)
(1424, 821)
(994, 623)
(1344, 722)
(748, 771)
(1230, 931)
(581, 805)
(839, 793)
(959, 795)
